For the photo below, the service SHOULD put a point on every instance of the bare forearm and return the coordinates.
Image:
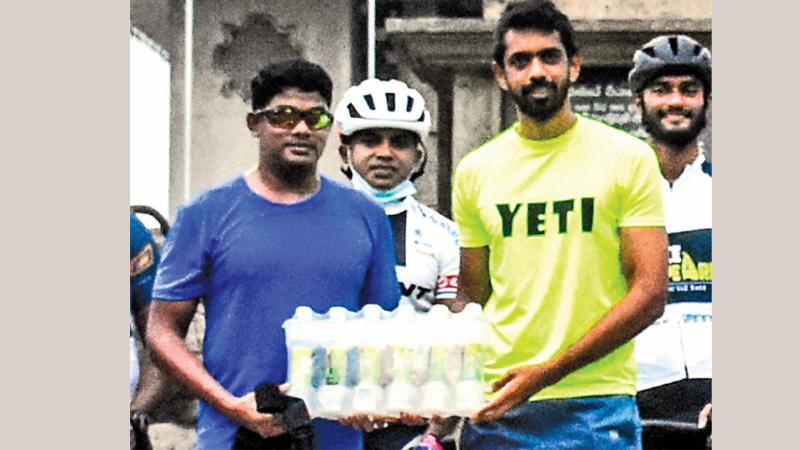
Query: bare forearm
(474, 284)
(643, 255)
(635, 312)
(167, 326)
(171, 352)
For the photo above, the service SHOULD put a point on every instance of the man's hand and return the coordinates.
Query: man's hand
(514, 388)
(369, 423)
(366, 422)
(412, 420)
(704, 417)
(244, 413)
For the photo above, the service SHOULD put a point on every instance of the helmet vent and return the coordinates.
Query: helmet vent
(673, 44)
(697, 50)
(370, 101)
(650, 51)
(421, 117)
(390, 101)
(353, 112)
(410, 104)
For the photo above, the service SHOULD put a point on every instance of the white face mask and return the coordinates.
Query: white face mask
(384, 198)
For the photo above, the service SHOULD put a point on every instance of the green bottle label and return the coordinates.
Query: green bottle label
(337, 366)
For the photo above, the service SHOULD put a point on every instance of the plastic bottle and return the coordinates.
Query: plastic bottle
(437, 392)
(368, 394)
(471, 335)
(300, 343)
(401, 393)
(332, 395)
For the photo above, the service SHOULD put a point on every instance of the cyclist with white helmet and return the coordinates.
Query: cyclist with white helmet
(381, 126)
(671, 85)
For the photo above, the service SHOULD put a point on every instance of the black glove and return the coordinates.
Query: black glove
(294, 416)
(139, 437)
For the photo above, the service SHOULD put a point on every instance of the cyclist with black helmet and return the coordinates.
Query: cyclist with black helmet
(671, 85)
(381, 124)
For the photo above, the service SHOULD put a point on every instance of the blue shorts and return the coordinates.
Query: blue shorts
(591, 423)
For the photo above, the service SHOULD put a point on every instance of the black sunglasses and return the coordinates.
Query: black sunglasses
(287, 117)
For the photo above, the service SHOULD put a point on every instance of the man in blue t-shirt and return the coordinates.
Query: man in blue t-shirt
(257, 246)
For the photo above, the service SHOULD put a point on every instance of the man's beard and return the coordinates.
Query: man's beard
(542, 110)
(292, 174)
(651, 121)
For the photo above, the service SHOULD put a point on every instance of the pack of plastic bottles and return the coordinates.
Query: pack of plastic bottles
(378, 362)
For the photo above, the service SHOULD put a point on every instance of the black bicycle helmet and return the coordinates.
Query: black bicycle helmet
(671, 54)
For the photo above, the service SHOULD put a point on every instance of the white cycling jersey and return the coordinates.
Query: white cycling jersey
(428, 253)
(678, 345)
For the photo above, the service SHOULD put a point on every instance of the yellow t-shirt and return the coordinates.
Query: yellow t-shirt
(550, 212)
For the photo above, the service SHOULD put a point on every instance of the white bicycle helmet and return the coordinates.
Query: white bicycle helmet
(671, 53)
(382, 104)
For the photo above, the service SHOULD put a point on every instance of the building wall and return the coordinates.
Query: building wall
(221, 145)
(616, 9)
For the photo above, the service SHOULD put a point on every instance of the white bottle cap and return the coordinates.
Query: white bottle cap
(337, 314)
(472, 311)
(372, 312)
(405, 312)
(303, 313)
(439, 312)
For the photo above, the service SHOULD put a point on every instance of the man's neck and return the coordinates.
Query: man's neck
(673, 160)
(279, 188)
(549, 129)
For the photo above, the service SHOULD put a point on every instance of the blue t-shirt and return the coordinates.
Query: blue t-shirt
(255, 261)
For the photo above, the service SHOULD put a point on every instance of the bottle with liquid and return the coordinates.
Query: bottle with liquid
(437, 391)
(402, 393)
(471, 334)
(368, 395)
(333, 393)
(300, 343)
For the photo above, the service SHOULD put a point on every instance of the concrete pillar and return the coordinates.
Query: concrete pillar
(473, 111)
(476, 111)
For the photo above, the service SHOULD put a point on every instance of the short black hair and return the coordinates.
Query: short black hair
(292, 73)
(540, 15)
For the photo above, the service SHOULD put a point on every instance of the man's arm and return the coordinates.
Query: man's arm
(474, 284)
(644, 263)
(152, 383)
(167, 326)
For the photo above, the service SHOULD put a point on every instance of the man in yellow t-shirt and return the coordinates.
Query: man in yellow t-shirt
(563, 242)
